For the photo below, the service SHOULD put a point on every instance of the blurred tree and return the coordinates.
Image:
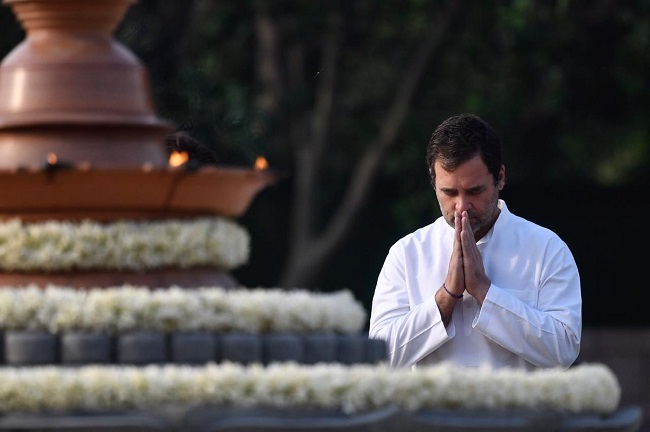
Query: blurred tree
(315, 78)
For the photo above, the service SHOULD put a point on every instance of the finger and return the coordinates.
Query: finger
(470, 249)
(457, 247)
(455, 276)
(476, 281)
(467, 226)
(466, 234)
(458, 225)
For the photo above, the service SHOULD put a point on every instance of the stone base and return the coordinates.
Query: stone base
(29, 348)
(386, 419)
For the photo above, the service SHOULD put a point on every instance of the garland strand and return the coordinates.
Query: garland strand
(122, 308)
(583, 388)
(122, 245)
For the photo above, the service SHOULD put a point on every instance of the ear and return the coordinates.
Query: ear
(501, 182)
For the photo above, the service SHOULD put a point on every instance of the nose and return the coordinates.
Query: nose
(462, 203)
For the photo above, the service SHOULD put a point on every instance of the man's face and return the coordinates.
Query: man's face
(470, 187)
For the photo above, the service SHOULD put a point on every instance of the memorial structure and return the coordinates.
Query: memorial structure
(80, 140)
(116, 262)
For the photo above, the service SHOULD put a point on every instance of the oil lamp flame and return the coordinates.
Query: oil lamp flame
(178, 158)
(261, 163)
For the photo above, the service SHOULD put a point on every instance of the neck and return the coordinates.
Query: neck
(478, 235)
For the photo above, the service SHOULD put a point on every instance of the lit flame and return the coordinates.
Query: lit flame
(52, 159)
(261, 163)
(178, 158)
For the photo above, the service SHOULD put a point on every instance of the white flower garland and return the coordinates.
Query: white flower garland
(123, 245)
(583, 388)
(121, 308)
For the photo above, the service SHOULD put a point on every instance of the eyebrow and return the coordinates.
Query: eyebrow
(473, 189)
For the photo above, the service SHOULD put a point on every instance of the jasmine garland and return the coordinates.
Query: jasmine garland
(583, 388)
(121, 308)
(123, 245)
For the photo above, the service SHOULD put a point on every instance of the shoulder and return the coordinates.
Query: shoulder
(425, 234)
(531, 231)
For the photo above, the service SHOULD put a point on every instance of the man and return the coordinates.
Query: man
(479, 286)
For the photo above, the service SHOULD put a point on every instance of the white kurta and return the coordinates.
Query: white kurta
(531, 316)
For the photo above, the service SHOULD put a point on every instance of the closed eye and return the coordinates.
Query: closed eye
(449, 192)
(476, 190)
(472, 191)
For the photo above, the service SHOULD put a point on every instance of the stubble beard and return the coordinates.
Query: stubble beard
(478, 222)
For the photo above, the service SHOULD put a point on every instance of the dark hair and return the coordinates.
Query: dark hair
(460, 138)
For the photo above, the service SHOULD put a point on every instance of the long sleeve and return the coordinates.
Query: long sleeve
(548, 334)
(411, 331)
(530, 318)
